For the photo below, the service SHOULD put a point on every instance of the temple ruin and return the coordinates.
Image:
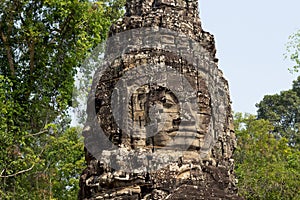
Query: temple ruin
(159, 122)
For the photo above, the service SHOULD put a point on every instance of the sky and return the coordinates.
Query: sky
(251, 39)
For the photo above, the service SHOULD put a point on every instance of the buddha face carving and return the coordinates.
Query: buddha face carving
(152, 100)
(155, 115)
(155, 112)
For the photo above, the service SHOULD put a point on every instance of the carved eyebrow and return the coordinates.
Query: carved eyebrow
(173, 97)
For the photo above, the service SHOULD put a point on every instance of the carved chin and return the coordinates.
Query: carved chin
(187, 140)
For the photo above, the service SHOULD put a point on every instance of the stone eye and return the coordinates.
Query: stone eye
(168, 103)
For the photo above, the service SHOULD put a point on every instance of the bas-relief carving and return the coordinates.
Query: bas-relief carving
(156, 117)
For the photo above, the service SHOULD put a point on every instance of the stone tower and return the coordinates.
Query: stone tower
(159, 122)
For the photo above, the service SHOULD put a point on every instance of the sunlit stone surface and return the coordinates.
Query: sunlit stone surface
(168, 130)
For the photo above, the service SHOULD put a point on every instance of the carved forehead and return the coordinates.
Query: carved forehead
(154, 93)
(159, 60)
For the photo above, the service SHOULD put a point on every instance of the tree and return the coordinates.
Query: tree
(283, 111)
(268, 153)
(293, 51)
(53, 173)
(266, 167)
(42, 44)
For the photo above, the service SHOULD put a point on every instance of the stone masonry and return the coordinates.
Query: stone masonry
(171, 138)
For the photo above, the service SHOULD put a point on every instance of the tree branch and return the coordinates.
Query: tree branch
(25, 170)
(15, 174)
(35, 134)
(9, 54)
(31, 55)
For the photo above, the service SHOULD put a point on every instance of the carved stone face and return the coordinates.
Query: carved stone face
(157, 120)
(154, 116)
(155, 113)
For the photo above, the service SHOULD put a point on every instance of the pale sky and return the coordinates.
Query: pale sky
(250, 38)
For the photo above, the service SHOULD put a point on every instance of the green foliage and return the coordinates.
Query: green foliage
(53, 173)
(267, 158)
(48, 39)
(293, 51)
(42, 44)
(266, 167)
(283, 111)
